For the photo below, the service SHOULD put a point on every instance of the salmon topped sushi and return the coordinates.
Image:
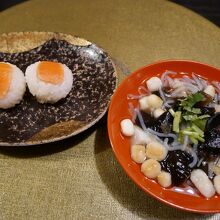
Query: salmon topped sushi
(49, 81)
(12, 85)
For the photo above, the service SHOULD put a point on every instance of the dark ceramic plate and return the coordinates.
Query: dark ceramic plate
(94, 81)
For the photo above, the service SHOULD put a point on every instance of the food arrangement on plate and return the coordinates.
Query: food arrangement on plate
(166, 132)
(48, 81)
(175, 131)
(69, 85)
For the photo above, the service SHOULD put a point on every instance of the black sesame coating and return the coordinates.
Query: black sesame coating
(93, 84)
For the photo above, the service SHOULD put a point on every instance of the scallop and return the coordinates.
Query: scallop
(155, 101)
(143, 102)
(210, 90)
(154, 84)
(156, 150)
(138, 153)
(127, 127)
(158, 112)
(141, 137)
(151, 168)
(216, 169)
(217, 183)
(151, 102)
(217, 108)
(202, 183)
(164, 179)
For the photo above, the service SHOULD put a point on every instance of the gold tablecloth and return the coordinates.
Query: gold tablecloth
(79, 178)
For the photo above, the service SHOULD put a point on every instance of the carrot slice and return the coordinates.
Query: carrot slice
(5, 79)
(50, 72)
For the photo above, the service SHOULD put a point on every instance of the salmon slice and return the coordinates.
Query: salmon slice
(5, 79)
(50, 72)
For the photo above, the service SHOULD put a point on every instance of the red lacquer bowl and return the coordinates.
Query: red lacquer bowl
(118, 111)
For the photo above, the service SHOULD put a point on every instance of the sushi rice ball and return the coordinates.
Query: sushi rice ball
(49, 81)
(12, 85)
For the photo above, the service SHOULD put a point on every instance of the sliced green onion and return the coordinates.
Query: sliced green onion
(194, 136)
(188, 132)
(194, 140)
(201, 139)
(201, 123)
(198, 130)
(176, 121)
(191, 133)
(203, 116)
(181, 137)
(190, 117)
(191, 100)
(194, 117)
(193, 110)
(171, 112)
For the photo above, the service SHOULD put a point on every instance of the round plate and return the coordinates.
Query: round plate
(94, 81)
(118, 111)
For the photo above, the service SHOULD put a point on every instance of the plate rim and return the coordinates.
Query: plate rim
(83, 42)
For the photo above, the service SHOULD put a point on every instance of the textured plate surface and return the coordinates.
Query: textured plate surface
(118, 111)
(94, 81)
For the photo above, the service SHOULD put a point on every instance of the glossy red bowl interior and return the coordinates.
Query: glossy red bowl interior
(118, 110)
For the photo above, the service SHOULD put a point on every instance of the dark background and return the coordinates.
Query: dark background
(209, 9)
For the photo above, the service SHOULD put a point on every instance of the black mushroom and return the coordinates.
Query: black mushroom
(212, 135)
(213, 122)
(162, 124)
(177, 164)
(207, 110)
(147, 118)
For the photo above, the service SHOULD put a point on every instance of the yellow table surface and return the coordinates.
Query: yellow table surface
(79, 178)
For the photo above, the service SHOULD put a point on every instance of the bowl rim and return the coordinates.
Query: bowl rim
(136, 181)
